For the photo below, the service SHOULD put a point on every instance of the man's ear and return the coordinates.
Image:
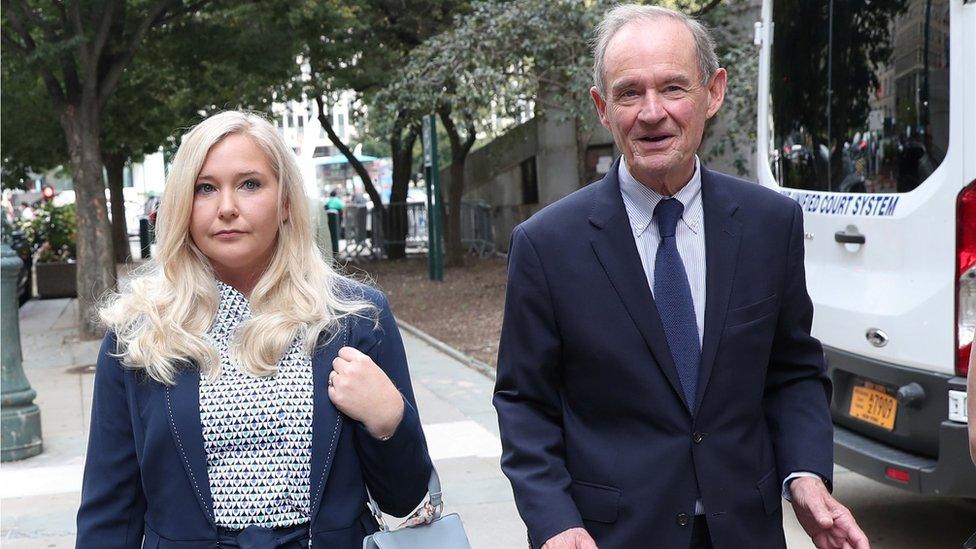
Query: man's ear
(716, 91)
(601, 106)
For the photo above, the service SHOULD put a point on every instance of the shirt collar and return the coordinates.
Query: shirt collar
(232, 309)
(640, 200)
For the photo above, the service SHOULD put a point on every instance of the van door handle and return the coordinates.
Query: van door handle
(849, 236)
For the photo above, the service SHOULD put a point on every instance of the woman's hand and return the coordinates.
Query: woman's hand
(362, 391)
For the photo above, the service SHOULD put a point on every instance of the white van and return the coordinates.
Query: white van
(867, 118)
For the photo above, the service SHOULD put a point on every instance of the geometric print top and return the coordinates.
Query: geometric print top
(257, 431)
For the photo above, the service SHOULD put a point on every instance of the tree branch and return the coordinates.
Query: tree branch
(18, 25)
(36, 20)
(9, 42)
(191, 7)
(114, 72)
(325, 119)
(101, 34)
(706, 8)
(83, 58)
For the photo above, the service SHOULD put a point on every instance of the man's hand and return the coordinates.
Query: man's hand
(828, 523)
(574, 538)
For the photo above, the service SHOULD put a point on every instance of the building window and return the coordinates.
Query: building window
(530, 182)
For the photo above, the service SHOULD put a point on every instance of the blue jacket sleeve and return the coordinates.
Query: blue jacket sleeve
(397, 470)
(112, 502)
(528, 400)
(797, 392)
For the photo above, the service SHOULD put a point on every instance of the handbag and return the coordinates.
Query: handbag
(441, 532)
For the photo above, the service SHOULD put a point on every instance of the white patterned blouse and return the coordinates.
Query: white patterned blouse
(257, 431)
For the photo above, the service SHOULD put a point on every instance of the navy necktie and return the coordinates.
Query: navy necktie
(672, 294)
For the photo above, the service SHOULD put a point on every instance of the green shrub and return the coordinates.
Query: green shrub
(53, 232)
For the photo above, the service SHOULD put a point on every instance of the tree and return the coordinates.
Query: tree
(178, 78)
(31, 140)
(81, 50)
(357, 46)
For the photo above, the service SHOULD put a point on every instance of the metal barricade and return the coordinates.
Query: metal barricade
(366, 235)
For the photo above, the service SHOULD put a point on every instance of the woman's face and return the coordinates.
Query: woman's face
(234, 220)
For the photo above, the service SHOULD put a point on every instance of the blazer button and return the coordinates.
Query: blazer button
(698, 437)
(683, 519)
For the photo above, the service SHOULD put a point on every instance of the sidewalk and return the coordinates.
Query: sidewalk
(39, 496)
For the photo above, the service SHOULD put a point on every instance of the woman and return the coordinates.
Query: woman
(245, 394)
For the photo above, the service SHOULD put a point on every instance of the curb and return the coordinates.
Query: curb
(468, 361)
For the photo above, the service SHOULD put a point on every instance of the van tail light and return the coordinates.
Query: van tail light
(965, 276)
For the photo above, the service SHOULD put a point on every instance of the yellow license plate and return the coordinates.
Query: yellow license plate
(874, 406)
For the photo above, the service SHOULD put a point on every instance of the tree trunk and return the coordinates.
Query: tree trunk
(115, 168)
(454, 247)
(325, 119)
(396, 219)
(96, 261)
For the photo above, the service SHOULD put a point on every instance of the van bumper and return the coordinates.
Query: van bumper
(951, 473)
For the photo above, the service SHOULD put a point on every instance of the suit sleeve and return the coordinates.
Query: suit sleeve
(112, 502)
(797, 392)
(528, 400)
(396, 470)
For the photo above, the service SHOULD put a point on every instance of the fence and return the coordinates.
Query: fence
(363, 233)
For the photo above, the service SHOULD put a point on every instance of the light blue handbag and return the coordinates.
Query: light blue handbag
(442, 532)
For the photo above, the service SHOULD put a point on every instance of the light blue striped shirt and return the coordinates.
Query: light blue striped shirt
(640, 201)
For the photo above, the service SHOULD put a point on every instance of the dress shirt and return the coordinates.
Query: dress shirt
(640, 201)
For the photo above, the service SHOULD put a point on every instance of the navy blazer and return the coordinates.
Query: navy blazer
(594, 425)
(146, 470)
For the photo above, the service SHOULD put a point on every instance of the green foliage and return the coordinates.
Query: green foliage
(31, 139)
(739, 56)
(52, 232)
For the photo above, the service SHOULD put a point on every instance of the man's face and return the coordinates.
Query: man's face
(655, 104)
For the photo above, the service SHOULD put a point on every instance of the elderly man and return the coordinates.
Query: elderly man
(657, 382)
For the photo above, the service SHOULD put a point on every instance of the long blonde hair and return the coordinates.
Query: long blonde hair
(160, 318)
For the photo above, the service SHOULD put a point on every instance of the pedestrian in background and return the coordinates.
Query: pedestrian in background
(657, 382)
(246, 394)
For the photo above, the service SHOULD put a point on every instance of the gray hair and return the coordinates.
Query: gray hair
(621, 15)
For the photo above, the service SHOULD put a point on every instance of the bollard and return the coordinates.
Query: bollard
(334, 230)
(145, 240)
(21, 418)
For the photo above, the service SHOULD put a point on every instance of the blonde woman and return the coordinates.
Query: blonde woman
(246, 394)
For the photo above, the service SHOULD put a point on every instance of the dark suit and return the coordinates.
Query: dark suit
(595, 428)
(146, 470)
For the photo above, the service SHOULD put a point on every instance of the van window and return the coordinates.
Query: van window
(860, 93)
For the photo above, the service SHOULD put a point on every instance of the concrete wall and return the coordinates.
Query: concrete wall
(493, 173)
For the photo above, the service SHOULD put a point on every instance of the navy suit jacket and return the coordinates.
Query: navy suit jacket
(146, 470)
(594, 425)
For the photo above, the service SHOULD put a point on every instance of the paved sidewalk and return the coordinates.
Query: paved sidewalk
(40, 495)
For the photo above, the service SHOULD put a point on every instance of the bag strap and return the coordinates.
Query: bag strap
(435, 504)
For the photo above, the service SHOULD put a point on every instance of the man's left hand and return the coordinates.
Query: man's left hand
(828, 523)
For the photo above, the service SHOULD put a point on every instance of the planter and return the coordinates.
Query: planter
(56, 280)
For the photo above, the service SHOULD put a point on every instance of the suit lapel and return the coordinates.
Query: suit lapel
(722, 235)
(183, 410)
(326, 419)
(613, 243)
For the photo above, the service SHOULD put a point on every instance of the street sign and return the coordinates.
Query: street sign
(430, 124)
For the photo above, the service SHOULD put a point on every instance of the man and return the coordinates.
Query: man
(657, 382)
